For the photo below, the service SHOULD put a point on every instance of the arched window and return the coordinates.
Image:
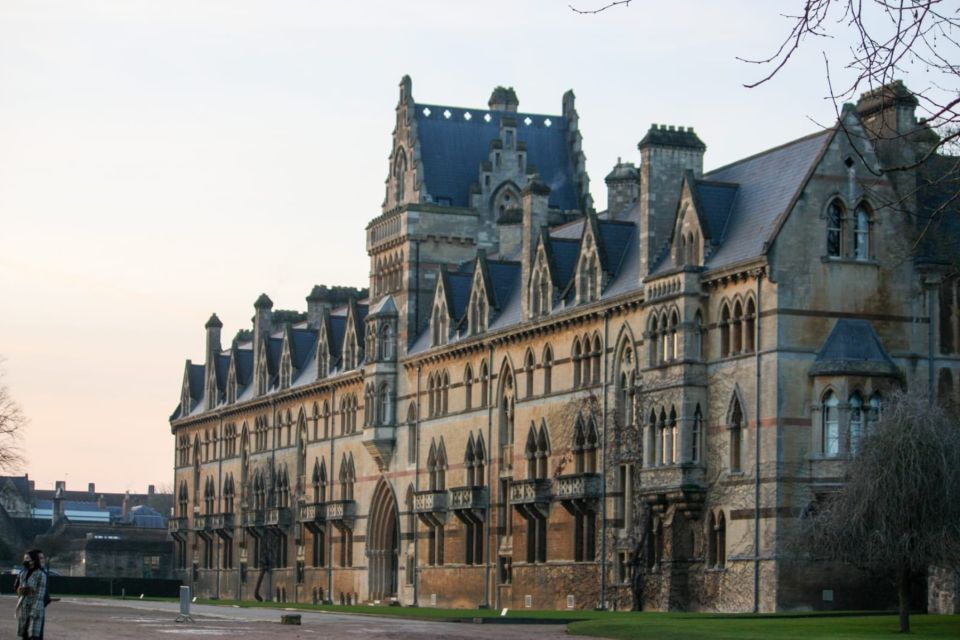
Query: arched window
(484, 383)
(399, 176)
(662, 439)
(724, 330)
(431, 410)
(506, 432)
(650, 440)
(597, 355)
(873, 414)
(674, 336)
(830, 425)
(737, 329)
(445, 396)
(697, 336)
(861, 233)
(547, 369)
(717, 547)
(384, 416)
(670, 452)
(735, 427)
(654, 338)
(665, 342)
(835, 229)
(577, 363)
(528, 366)
(468, 388)
(856, 421)
(750, 327)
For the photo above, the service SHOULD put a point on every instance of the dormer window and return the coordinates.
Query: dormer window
(185, 400)
(861, 232)
(588, 278)
(540, 299)
(478, 312)
(232, 386)
(323, 360)
(286, 371)
(439, 324)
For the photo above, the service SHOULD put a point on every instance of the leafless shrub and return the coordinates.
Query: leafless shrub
(12, 424)
(899, 511)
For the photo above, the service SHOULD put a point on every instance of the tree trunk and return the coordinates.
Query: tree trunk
(903, 596)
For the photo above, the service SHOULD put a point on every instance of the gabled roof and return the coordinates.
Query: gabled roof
(453, 148)
(768, 184)
(853, 348)
(222, 363)
(194, 374)
(302, 342)
(244, 364)
(504, 278)
(616, 236)
(458, 292)
(714, 204)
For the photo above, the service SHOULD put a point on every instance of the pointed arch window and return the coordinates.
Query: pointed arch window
(861, 232)
(484, 383)
(750, 327)
(577, 357)
(874, 411)
(507, 416)
(286, 371)
(528, 367)
(653, 336)
(399, 176)
(696, 435)
(585, 445)
(737, 329)
(698, 336)
(468, 388)
(724, 330)
(597, 355)
(717, 542)
(674, 336)
(835, 213)
(856, 421)
(735, 428)
(830, 424)
(537, 452)
(547, 369)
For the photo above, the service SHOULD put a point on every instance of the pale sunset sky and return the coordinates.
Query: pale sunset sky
(161, 160)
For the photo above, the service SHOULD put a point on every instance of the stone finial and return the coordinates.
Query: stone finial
(263, 302)
(503, 99)
(213, 323)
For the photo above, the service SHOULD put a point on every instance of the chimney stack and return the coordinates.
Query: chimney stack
(58, 503)
(623, 187)
(261, 331)
(126, 506)
(665, 154)
(211, 390)
(151, 489)
(60, 485)
(91, 488)
(503, 99)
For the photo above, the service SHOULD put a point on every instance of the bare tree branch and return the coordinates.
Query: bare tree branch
(609, 5)
(12, 424)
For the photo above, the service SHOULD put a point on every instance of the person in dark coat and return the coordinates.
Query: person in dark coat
(31, 588)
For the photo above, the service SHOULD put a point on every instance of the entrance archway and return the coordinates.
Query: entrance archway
(383, 543)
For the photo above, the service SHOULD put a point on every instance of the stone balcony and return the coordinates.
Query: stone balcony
(578, 486)
(252, 518)
(682, 485)
(342, 513)
(278, 517)
(221, 521)
(177, 526)
(430, 501)
(468, 498)
(534, 491)
(313, 512)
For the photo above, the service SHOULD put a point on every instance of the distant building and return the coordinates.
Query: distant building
(84, 532)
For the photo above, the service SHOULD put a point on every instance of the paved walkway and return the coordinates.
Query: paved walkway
(92, 619)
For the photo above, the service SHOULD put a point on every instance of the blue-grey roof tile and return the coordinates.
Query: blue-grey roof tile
(452, 149)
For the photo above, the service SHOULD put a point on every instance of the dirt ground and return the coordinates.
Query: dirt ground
(91, 619)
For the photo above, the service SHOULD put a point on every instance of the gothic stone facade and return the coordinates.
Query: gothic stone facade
(538, 405)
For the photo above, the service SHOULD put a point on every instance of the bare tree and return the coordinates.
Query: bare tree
(12, 423)
(899, 512)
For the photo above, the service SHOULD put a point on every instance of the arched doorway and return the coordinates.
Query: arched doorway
(383, 543)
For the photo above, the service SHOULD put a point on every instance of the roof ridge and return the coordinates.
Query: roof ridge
(512, 114)
(789, 143)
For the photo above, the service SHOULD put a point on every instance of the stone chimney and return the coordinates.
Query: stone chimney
(503, 99)
(126, 506)
(91, 487)
(323, 298)
(261, 330)
(665, 154)
(58, 502)
(623, 187)
(213, 349)
(536, 197)
(60, 485)
(151, 489)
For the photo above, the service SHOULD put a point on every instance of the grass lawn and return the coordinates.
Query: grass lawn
(685, 626)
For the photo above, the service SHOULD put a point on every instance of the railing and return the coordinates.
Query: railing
(221, 521)
(678, 476)
(312, 512)
(252, 518)
(578, 486)
(530, 491)
(340, 510)
(177, 525)
(468, 498)
(278, 517)
(429, 501)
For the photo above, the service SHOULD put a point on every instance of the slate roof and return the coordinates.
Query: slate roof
(939, 196)
(565, 253)
(715, 200)
(452, 149)
(244, 367)
(853, 348)
(768, 183)
(615, 236)
(223, 365)
(504, 277)
(303, 342)
(459, 292)
(195, 380)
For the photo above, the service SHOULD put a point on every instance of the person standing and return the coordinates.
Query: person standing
(31, 588)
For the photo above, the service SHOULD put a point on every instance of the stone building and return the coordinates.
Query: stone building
(535, 404)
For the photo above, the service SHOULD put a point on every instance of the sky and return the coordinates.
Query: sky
(160, 161)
